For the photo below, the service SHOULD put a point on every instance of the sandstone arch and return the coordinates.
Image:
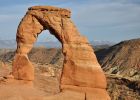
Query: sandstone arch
(81, 70)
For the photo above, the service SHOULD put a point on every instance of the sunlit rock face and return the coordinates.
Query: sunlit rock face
(81, 70)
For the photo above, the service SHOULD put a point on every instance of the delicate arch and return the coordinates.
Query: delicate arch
(81, 69)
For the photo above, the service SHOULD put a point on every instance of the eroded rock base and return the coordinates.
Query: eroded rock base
(22, 68)
(90, 93)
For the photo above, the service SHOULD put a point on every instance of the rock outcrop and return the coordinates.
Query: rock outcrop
(122, 59)
(81, 70)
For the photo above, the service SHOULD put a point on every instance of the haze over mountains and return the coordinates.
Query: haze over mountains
(7, 44)
(48, 44)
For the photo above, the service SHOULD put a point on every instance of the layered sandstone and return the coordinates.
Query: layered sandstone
(81, 70)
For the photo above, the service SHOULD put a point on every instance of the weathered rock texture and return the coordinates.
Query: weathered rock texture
(122, 56)
(81, 70)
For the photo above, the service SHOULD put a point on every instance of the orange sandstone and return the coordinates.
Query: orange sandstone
(81, 70)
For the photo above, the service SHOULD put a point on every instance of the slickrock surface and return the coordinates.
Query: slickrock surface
(81, 70)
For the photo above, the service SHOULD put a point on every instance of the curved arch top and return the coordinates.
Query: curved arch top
(80, 69)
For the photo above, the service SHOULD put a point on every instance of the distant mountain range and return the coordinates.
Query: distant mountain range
(99, 42)
(7, 44)
(48, 44)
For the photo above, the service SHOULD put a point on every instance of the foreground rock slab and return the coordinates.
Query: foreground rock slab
(80, 68)
(11, 89)
(72, 95)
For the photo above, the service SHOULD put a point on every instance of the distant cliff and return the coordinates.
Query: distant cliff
(122, 58)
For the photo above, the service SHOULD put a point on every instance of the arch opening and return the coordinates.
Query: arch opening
(47, 61)
(47, 40)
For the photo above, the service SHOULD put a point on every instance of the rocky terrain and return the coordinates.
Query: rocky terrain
(123, 88)
(37, 55)
(48, 65)
(121, 63)
(122, 59)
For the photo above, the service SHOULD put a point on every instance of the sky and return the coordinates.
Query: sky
(102, 20)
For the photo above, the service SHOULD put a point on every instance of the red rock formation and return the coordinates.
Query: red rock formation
(81, 70)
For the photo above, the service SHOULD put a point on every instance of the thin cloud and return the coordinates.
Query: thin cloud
(103, 19)
(94, 18)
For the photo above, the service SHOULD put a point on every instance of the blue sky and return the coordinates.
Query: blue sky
(108, 20)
